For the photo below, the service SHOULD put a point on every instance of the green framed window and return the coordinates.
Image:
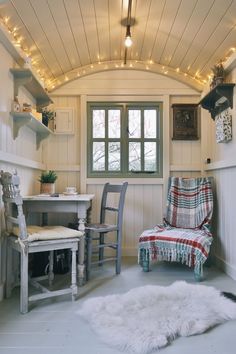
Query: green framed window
(124, 139)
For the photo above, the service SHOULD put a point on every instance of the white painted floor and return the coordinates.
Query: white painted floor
(53, 327)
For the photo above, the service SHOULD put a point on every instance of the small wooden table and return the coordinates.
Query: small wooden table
(77, 204)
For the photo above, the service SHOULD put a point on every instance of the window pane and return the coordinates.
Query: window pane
(134, 123)
(114, 156)
(114, 123)
(134, 156)
(98, 123)
(99, 156)
(150, 156)
(150, 118)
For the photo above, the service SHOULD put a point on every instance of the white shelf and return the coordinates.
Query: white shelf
(21, 119)
(25, 77)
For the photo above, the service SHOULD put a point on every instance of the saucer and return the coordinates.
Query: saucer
(66, 193)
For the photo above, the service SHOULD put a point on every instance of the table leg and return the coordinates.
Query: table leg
(81, 266)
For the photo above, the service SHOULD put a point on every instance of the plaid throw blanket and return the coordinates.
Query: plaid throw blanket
(189, 202)
(181, 239)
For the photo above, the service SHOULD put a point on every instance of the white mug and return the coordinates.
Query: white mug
(70, 190)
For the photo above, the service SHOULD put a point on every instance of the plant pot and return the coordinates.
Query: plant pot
(48, 188)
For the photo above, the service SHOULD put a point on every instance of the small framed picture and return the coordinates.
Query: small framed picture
(185, 122)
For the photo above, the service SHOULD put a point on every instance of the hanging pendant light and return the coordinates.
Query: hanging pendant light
(128, 39)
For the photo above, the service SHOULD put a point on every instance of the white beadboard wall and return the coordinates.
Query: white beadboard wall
(145, 199)
(223, 168)
(21, 153)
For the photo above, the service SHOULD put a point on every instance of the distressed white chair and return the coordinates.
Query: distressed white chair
(98, 232)
(32, 239)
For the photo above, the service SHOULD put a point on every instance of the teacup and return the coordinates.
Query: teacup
(70, 190)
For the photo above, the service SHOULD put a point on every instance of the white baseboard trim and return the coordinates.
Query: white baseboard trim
(226, 267)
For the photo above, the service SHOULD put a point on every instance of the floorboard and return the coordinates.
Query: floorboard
(52, 325)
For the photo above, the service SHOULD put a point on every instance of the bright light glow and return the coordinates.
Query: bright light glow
(128, 41)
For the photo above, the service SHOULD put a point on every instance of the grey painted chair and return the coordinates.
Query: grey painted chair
(98, 232)
(31, 240)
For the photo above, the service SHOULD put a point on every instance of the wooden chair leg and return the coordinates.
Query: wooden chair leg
(50, 271)
(89, 255)
(101, 250)
(24, 282)
(73, 275)
(9, 270)
(118, 253)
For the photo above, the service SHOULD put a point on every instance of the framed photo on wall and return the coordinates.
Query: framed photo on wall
(185, 121)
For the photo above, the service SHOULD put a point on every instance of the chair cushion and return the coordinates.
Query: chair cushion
(37, 233)
(165, 243)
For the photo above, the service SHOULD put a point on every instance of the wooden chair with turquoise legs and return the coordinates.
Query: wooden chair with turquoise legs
(185, 236)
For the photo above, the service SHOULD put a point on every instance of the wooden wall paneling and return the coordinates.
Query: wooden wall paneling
(139, 210)
(128, 241)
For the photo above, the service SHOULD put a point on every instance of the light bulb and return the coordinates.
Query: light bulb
(128, 41)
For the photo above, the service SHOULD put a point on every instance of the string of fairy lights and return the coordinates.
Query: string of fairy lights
(50, 84)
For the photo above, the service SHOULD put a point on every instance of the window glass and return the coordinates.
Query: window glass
(150, 123)
(98, 123)
(150, 156)
(99, 156)
(134, 156)
(134, 123)
(114, 123)
(114, 156)
(124, 139)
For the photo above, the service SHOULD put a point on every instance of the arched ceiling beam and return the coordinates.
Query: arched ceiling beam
(184, 78)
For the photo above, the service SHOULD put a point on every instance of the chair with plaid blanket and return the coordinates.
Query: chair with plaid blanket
(185, 233)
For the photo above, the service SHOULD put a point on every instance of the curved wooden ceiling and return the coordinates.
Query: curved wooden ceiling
(68, 38)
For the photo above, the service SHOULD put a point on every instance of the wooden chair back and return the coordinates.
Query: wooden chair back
(12, 200)
(105, 206)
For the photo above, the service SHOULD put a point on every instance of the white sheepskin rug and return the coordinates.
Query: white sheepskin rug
(149, 317)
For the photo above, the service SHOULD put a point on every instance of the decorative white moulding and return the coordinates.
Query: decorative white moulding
(223, 127)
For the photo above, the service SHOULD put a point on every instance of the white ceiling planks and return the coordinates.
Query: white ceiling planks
(182, 19)
(208, 27)
(170, 12)
(153, 24)
(102, 18)
(224, 35)
(46, 35)
(63, 29)
(77, 26)
(89, 20)
(69, 36)
(193, 25)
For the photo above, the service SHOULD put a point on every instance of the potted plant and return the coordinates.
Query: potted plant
(47, 180)
(47, 116)
(218, 74)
